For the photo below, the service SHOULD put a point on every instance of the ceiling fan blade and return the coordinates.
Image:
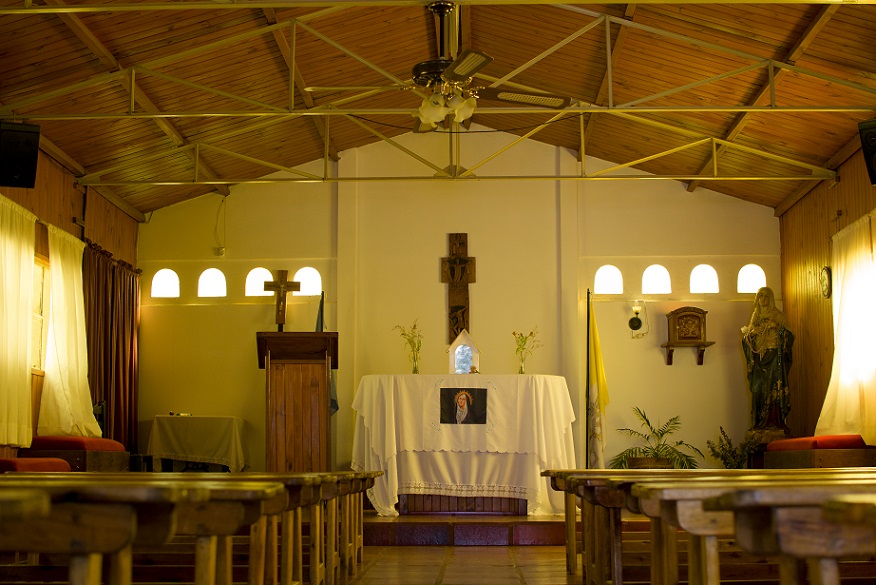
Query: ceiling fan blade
(331, 88)
(544, 100)
(466, 65)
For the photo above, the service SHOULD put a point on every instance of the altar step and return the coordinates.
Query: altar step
(463, 530)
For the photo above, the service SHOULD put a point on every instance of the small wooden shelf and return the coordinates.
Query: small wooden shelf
(701, 350)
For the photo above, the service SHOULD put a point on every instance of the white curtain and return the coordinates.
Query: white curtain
(850, 403)
(66, 407)
(16, 312)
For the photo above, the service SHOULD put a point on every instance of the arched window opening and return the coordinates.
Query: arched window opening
(255, 282)
(310, 280)
(211, 283)
(165, 284)
(608, 280)
(750, 279)
(703, 279)
(656, 281)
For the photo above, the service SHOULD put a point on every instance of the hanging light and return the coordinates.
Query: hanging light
(462, 107)
(446, 99)
(433, 109)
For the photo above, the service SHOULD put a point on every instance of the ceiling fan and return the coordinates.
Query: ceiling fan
(449, 80)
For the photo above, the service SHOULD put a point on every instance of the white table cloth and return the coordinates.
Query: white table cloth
(202, 439)
(528, 429)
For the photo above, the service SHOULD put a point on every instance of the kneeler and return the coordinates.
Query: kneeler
(82, 453)
(819, 451)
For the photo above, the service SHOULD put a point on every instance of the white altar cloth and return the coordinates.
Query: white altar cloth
(528, 429)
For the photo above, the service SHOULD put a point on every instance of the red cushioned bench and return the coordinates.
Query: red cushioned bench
(82, 453)
(33, 464)
(820, 451)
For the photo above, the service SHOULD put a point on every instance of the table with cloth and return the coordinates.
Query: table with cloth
(201, 439)
(528, 429)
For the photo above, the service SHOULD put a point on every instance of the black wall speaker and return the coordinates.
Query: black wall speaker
(19, 150)
(868, 145)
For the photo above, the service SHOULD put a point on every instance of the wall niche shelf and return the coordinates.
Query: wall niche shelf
(687, 328)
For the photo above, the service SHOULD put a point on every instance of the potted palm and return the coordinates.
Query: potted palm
(656, 449)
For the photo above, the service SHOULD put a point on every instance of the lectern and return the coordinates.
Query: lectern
(297, 368)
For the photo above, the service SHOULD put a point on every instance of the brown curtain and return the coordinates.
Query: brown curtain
(112, 315)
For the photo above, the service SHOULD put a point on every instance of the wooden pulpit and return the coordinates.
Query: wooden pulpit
(297, 371)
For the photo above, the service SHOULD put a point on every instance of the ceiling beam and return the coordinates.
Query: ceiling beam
(283, 46)
(766, 91)
(52, 150)
(841, 156)
(602, 94)
(105, 56)
(94, 6)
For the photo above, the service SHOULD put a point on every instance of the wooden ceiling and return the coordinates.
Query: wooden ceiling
(154, 103)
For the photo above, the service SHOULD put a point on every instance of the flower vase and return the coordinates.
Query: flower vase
(522, 368)
(415, 363)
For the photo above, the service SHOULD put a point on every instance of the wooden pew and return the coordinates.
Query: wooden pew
(783, 517)
(363, 482)
(605, 493)
(601, 504)
(559, 479)
(23, 504)
(852, 509)
(87, 520)
(229, 508)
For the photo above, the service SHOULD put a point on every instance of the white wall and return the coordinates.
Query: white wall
(633, 225)
(379, 245)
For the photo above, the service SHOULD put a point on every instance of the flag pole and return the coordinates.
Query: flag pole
(587, 392)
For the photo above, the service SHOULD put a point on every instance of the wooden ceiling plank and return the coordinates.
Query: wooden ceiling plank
(110, 62)
(841, 156)
(549, 51)
(797, 50)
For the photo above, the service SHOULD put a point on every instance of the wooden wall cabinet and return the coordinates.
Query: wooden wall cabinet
(687, 328)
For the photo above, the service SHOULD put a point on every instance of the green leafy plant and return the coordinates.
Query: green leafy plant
(655, 444)
(733, 457)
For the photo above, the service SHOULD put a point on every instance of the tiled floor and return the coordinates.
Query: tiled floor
(467, 565)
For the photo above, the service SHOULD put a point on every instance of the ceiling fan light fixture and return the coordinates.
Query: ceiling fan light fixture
(462, 107)
(432, 110)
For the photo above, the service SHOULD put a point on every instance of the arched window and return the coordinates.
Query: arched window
(311, 282)
(608, 280)
(255, 282)
(703, 279)
(211, 283)
(165, 284)
(656, 281)
(751, 277)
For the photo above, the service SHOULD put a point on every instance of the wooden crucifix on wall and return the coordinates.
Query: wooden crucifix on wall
(457, 271)
(281, 287)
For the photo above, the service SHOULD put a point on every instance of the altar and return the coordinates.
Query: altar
(404, 428)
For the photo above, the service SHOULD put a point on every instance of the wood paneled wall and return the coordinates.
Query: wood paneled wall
(806, 230)
(57, 199)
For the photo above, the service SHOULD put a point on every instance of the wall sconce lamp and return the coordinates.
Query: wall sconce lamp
(635, 323)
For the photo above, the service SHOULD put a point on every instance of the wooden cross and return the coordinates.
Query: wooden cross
(281, 287)
(457, 271)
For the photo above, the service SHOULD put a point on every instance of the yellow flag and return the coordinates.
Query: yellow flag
(597, 397)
